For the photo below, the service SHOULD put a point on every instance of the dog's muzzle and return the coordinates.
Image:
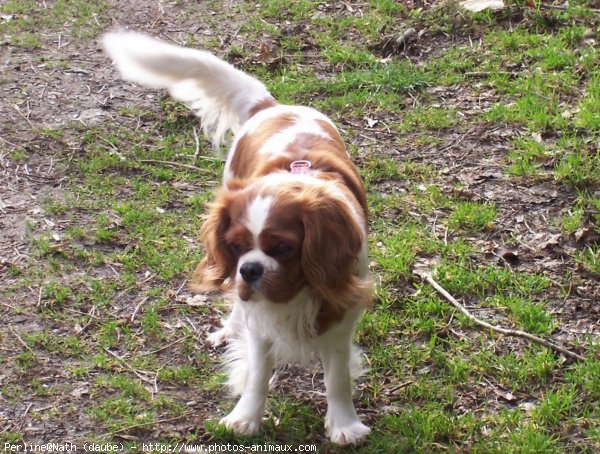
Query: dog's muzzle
(251, 271)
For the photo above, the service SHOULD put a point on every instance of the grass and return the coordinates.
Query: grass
(473, 216)
(102, 291)
(27, 20)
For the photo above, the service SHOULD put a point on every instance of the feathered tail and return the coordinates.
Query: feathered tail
(219, 94)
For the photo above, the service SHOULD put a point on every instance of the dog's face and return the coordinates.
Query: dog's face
(278, 235)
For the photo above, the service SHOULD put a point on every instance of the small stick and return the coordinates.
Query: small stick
(144, 424)
(17, 309)
(166, 346)
(89, 322)
(509, 332)
(191, 324)
(404, 36)
(135, 311)
(399, 387)
(120, 295)
(197, 140)
(21, 341)
(181, 287)
(6, 141)
(176, 164)
(24, 416)
(478, 74)
(26, 118)
(564, 7)
(122, 361)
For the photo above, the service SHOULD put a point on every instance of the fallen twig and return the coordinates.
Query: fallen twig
(144, 424)
(482, 74)
(181, 287)
(197, 141)
(167, 346)
(397, 388)
(21, 341)
(509, 332)
(20, 426)
(137, 308)
(23, 116)
(395, 44)
(91, 314)
(176, 164)
(128, 366)
(565, 7)
(405, 36)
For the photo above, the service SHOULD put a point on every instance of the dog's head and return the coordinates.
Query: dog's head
(273, 237)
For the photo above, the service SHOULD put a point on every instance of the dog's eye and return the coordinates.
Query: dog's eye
(281, 249)
(235, 248)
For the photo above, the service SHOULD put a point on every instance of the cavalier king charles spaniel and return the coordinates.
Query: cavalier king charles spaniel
(286, 237)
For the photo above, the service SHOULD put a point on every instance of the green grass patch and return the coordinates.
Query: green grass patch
(472, 216)
(429, 118)
(76, 17)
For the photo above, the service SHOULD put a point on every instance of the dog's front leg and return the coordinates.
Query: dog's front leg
(232, 325)
(246, 417)
(341, 422)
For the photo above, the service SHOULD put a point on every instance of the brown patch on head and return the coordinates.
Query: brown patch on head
(331, 131)
(328, 155)
(347, 172)
(246, 161)
(217, 269)
(262, 105)
(306, 142)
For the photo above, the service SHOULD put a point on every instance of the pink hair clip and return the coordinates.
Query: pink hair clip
(300, 167)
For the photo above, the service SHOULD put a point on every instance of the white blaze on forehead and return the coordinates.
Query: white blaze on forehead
(258, 212)
(256, 217)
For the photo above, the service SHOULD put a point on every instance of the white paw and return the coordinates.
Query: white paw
(219, 337)
(241, 425)
(352, 433)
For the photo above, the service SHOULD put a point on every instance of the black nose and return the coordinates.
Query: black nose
(251, 271)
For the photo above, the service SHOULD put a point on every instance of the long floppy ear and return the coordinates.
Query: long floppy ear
(332, 243)
(218, 263)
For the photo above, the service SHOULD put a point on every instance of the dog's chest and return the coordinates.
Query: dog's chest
(290, 328)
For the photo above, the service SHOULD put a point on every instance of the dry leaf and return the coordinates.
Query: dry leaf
(371, 122)
(549, 240)
(585, 234)
(510, 255)
(197, 300)
(508, 396)
(479, 5)
(265, 55)
(527, 407)
(424, 265)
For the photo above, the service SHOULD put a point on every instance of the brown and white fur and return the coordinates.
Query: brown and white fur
(290, 249)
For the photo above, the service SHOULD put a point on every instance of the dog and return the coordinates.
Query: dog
(286, 237)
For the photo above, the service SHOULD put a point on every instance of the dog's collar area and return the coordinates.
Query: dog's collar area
(300, 167)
